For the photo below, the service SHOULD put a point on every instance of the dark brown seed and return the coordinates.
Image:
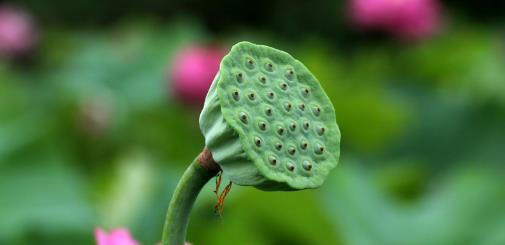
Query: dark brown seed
(271, 95)
(284, 86)
(304, 145)
(290, 167)
(263, 79)
(280, 130)
(302, 106)
(278, 146)
(306, 125)
(252, 96)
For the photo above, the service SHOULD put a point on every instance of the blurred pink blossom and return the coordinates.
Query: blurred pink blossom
(17, 32)
(119, 236)
(193, 71)
(406, 19)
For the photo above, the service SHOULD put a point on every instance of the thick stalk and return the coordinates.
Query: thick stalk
(201, 170)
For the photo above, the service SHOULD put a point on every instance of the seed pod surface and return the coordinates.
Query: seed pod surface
(265, 138)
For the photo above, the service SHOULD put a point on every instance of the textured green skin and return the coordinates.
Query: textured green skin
(233, 143)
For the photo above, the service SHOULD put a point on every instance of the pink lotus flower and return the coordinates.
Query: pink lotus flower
(118, 236)
(406, 19)
(17, 32)
(193, 71)
(115, 237)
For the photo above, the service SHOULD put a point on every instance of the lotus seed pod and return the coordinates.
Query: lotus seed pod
(268, 122)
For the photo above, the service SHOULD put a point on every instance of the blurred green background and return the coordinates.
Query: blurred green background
(92, 133)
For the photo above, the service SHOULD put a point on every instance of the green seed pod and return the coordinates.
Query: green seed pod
(268, 122)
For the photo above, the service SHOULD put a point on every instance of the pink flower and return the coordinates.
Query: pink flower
(115, 237)
(17, 32)
(406, 19)
(193, 71)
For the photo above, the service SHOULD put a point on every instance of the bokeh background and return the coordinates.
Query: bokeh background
(99, 105)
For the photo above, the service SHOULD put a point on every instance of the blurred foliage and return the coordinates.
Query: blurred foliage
(91, 136)
(460, 209)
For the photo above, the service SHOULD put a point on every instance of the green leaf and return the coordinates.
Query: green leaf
(41, 192)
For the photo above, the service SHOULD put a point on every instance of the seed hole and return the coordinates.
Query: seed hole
(278, 146)
(243, 117)
(321, 130)
(269, 66)
(307, 165)
(280, 130)
(257, 141)
(291, 150)
(319, 149)
(284, 86)
(292, 126)
(252, 96)
(263, 79)
(288, 106)
(262, 125)
(317, 111)
(289, 74)
(304, 145)
(306, 92)
(271, 95)
(272, 160)
(306, 125)
(268, 111)
(250, 63)
(290, 167)
(236, 95)
(240, 77)
(302, 106)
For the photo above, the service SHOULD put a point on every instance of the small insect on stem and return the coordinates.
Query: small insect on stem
(219, 208)
(219, 178)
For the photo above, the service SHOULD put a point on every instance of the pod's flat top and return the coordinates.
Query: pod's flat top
(285, 121)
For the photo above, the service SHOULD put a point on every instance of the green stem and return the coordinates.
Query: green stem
(190, 184)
